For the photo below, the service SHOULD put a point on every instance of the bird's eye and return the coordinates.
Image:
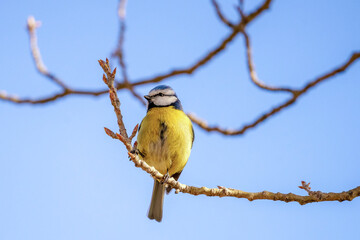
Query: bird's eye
(161, 94)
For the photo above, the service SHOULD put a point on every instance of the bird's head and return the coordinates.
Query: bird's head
(161, 96)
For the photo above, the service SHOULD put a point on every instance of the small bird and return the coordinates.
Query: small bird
(165, 139)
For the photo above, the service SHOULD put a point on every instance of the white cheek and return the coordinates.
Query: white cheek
(164, 101)
(164, 91)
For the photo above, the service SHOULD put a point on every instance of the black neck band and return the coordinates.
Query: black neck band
(176, 105)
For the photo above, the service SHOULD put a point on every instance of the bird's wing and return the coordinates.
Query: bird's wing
(193, 135)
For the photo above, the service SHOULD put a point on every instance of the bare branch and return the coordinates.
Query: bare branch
(230, 192)
(195, 66)
(236, 29)
(220, 191)
(296, 93)
(122, 85)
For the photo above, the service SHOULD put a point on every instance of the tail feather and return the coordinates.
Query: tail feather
(157, 200)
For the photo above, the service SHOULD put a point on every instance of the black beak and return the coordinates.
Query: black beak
(147, 97)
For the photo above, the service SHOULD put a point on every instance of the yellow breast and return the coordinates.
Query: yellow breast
(165, 139)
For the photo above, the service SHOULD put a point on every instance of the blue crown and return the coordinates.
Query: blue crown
(161, 87)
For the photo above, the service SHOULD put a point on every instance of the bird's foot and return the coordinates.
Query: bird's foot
(165, 178)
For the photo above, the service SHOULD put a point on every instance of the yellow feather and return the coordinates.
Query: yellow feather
(165, 139)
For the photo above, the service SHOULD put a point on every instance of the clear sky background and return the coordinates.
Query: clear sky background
(62, 177)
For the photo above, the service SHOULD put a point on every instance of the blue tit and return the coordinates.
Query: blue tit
(164, 140)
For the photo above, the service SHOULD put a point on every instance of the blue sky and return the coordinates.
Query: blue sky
(62, 177)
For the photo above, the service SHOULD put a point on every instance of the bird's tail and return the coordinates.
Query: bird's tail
(157, 200)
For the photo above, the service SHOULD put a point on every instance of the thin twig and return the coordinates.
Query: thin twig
(51, 98)
(109, 81)
(134, 132)
(202, 124)
(221, 15)
(110, 133)
(253, 75)
(307, 188)
(119, 52)
(250, 62)
(355, 56)
(32, 25)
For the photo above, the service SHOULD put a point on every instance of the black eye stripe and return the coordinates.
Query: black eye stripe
(161, 95)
